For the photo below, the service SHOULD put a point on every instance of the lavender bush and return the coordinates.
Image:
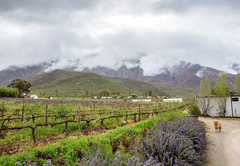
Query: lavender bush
(181, 142)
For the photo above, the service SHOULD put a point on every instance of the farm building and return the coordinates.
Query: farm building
(33, 96)
(172, 100)
(141, 100)
(232, 105)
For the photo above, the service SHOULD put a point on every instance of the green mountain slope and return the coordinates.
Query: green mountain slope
(170, 89)
(75, 83)
(138, 85)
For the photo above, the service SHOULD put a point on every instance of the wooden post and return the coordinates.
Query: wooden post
(33, 118)
(88, 125)
(23, 112)
(3, 109)
(33, 135)
(126, 119)
(79, 128)
(46, 112)
(102, 122)
(66, 131)
(139, 113)
(135, 118)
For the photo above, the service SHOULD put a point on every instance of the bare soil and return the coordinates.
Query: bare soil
(224, 147)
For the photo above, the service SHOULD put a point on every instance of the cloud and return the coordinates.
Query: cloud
(89, 33)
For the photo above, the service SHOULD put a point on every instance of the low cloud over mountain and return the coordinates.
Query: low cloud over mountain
(157, 34)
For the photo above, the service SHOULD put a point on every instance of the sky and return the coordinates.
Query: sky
(154, 33)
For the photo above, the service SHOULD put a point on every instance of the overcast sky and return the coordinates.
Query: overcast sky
(159, 33)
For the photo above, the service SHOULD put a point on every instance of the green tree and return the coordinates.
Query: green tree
(41, 93)
(129, 91)
(56, 91)
(134, 95)
(237, 83)
(92, 95)
(22, 86)
(83, 95)
(122, 96)
(221, 91)
(204, 93)
(86, 93)
(8, 92)
(149, 92)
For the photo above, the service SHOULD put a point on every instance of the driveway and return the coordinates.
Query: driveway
(224, 147)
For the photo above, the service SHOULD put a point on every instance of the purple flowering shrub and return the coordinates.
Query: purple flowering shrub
(181, 142)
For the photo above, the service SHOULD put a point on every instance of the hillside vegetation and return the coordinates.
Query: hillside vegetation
(170, 89)
(74, 83)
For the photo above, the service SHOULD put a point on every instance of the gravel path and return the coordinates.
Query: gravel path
(224, 147)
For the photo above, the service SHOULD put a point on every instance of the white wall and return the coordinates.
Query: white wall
(142, 100)
(236, 106)
(215, 109)
(172, 100)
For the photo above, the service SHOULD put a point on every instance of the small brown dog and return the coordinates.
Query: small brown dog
(217, 126)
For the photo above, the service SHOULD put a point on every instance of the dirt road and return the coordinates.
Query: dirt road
(224, 147)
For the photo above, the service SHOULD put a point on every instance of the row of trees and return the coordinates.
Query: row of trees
(220, 91)
(87, 94)
(8, 92)
(17, 88)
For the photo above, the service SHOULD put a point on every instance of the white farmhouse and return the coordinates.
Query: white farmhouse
(141, 100)
(172, 100)
(33, 96)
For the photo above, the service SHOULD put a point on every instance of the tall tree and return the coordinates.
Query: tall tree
(22, 86)
(222, 92)
(203, 100)
(129, 91)
(86, 93)
(237, 83)
(56, 91)
(149, 92)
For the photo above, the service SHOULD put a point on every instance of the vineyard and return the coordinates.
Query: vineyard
(97, 133)
(29, 119)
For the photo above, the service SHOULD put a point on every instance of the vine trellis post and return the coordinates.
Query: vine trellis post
(3, 109)
(23, 112)
(79, 120)
(46, 113)
(139, 113)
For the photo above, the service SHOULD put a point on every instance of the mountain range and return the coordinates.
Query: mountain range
(183, 75)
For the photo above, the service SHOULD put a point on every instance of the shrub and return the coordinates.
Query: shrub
(8, 92)
(194, 110)
(182, 142)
